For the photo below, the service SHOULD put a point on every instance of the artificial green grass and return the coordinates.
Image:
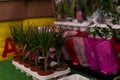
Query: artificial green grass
(8, 72)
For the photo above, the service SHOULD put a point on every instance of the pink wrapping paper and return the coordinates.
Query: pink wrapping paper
(80, 50)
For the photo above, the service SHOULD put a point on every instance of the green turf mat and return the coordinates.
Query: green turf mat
(8, 72)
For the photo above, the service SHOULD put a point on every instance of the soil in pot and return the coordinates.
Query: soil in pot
(33, 67)
(27, 63)
(44, 72)
(24, 61)
(60, 67)
(21, 62)
(16, 58)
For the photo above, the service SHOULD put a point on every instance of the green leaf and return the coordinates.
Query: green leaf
(98, 32)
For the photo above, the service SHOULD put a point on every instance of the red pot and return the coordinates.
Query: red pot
(44, 73)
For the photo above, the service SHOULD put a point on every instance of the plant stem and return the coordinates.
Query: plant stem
(45, 59)
(29, 57)
(36, 58)
(58, 57)
(58, 60)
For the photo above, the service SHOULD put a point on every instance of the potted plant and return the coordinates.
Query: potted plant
(58, 41)
(14, 35)
(108, 10)
(45, 40)
(69, 9)
(33, 49)
(19, 35)
(59, 12)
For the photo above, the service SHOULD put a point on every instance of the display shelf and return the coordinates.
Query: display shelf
(36, 76)
(84, 24)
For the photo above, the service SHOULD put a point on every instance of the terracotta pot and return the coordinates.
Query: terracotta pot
(44, 73)
(21, 62)
(60, 67)
(16, 59)
(27, 65)
(35, 69)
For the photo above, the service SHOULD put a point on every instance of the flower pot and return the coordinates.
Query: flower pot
(27, 65)
(16, 59)
(60, 67)
(44, 73)
(35, 69)
(21, 62)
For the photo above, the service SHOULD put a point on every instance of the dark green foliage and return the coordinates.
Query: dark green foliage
(20, 35)
(69, 8)
(44, 39)
(101, 32)
(58, 40)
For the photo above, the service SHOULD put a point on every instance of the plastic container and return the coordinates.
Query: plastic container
(74, 77)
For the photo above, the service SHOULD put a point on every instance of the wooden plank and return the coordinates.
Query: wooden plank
(12, 10)
(21, 9)
(39, 8)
